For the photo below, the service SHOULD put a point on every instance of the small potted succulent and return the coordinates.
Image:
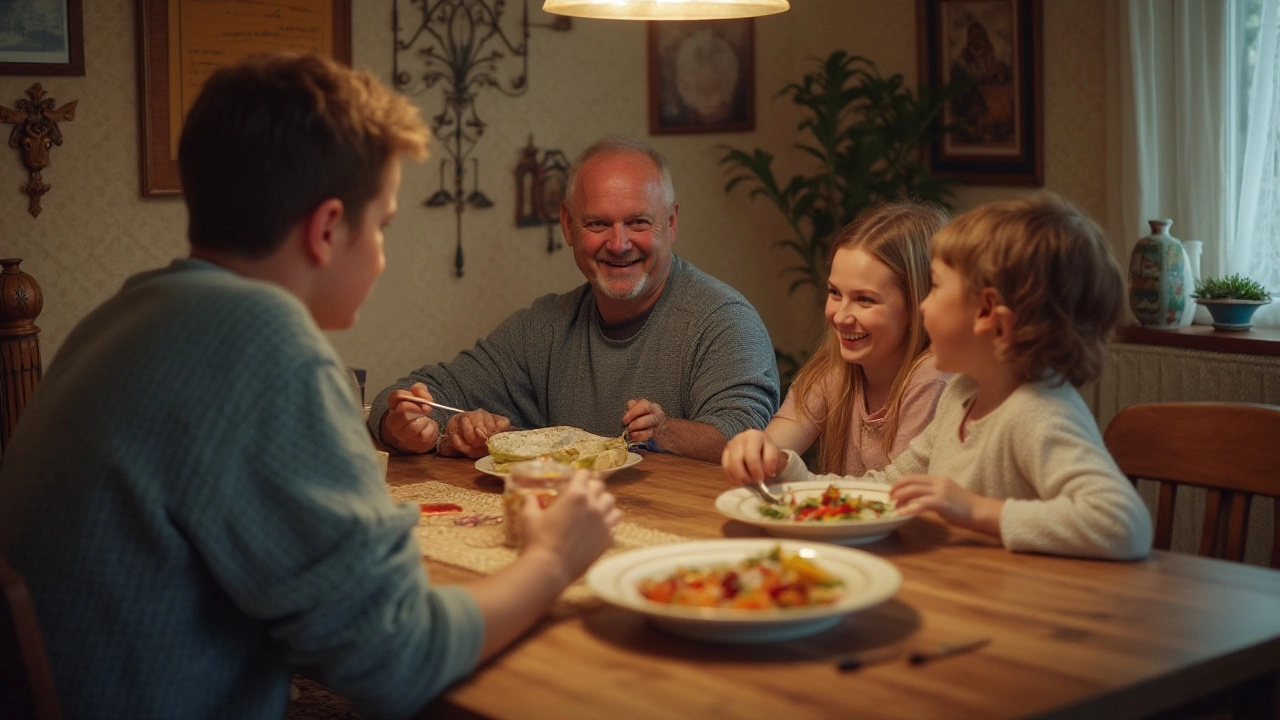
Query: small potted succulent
(1231, 300)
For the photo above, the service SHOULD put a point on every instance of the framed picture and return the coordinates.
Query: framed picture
(996, 123)
(702, 77)
(181, 42)
(42, 37)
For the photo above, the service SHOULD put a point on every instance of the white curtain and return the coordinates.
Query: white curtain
(1253, 248)
(1188, 139)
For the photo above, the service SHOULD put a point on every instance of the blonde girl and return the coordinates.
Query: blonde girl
(871, 386)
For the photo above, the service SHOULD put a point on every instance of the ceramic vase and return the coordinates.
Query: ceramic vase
(1199, 313)
(1158, 275)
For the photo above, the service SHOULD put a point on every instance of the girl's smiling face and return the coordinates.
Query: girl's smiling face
(867, 310)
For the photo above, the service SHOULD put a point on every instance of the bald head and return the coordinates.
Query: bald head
(617, 145)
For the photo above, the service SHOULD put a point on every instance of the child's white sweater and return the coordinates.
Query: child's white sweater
(1041, 451)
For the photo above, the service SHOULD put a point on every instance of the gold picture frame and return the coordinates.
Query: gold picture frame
(702, 76)
(996, 125)
(181, 42)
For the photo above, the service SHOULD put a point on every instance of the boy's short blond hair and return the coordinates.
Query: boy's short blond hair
(1052, 266)
(270, 138)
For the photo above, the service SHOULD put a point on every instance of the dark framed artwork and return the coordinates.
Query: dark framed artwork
(42, 37)
(996, 122)
(702, 77)
(180, 42)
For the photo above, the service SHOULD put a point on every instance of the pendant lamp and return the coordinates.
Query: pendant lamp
(665, 9)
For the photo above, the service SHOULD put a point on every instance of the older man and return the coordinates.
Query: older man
(650, 345)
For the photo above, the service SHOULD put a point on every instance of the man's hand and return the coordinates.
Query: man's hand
(405, 426)
(465, 434)
(643, 420)
(915, 494)
(751, 457)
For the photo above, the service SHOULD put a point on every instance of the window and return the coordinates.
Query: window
(1253, 45)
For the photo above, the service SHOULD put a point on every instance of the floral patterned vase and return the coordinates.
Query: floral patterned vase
(1158, 272)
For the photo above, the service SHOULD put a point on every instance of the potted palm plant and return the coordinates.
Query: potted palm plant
(863, 139)
(1231, 300)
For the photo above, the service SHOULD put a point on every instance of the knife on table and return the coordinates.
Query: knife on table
(914, 657)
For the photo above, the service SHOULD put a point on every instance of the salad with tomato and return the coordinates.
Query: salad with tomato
(831, 505)
(777, 579)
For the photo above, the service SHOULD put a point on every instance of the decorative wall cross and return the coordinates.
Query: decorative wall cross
(35, 132)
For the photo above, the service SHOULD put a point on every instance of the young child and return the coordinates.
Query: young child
(191, 495)
(1025, 295)
(872, 386)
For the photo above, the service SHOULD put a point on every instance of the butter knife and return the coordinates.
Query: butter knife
(914, 657)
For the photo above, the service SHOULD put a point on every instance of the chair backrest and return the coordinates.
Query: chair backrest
(1229, 449)
(26, 682)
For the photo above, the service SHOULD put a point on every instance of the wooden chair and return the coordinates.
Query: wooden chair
(1229, 449)
(26, 682)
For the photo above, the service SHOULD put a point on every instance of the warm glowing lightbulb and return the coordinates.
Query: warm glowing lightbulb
(666, 9)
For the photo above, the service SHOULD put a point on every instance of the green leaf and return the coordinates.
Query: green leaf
(863, 140)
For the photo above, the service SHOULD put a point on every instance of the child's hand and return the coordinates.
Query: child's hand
(751, 457)
(915, 494)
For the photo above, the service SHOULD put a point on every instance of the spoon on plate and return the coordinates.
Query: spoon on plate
(760, 489)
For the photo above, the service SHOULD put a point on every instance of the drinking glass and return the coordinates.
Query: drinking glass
(541, 478)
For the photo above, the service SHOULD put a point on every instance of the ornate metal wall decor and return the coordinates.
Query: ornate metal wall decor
(35, 132)
(464, 48)
(540, 189)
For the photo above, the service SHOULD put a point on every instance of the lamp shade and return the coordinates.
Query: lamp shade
(666, 9)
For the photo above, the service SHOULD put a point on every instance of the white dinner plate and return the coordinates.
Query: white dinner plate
(743, 504)
(485, 465)
(868, 581)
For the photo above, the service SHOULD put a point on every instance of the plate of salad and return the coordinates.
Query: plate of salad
(844, 512)
(745, 590)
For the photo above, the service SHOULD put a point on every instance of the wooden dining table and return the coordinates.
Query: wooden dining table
(1069, 638)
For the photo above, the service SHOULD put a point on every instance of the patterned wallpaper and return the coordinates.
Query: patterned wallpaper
(96, 229)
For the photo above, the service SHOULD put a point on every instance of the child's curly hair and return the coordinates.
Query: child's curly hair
(1052, 266)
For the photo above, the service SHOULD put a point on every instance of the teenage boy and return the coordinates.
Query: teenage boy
(191, 495)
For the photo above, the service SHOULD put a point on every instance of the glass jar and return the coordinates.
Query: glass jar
(541, 478)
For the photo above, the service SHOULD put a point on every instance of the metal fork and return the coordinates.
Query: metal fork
(446, 408)
(433, 404)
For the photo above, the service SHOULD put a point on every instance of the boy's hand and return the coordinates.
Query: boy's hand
(915, 494)
(574, 530)
(405, 426)
(751, 457)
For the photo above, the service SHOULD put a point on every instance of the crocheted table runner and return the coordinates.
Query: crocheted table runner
(459, 541)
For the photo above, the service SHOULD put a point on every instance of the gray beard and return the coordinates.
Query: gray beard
(611, 290)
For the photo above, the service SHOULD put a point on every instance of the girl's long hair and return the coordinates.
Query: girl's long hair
(898, 234)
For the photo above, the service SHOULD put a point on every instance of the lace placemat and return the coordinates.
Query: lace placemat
(459, 541)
